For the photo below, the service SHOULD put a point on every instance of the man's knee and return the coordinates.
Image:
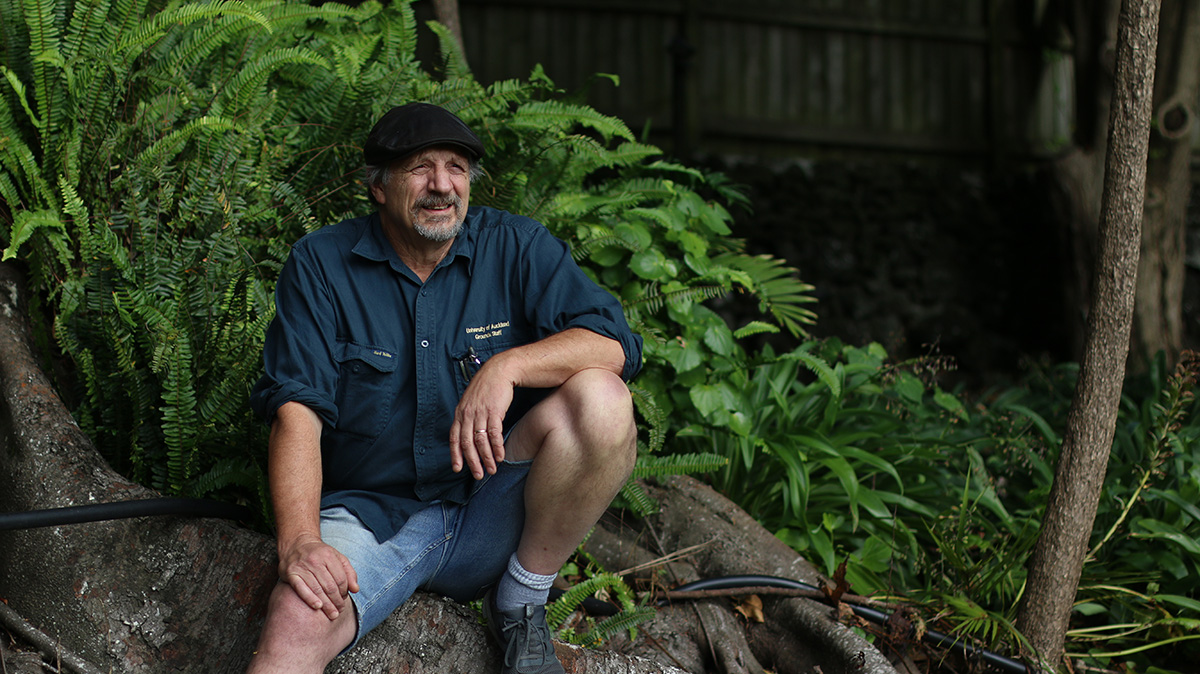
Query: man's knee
(600, 398)
(292, 626)
(589, 416)
(598, 392)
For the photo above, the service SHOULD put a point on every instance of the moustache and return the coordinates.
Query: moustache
(431, 201)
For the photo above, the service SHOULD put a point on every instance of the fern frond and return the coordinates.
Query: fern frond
(228, 472)
(625, 621)
(453, 60)
(678, 464)
(542, 115)
(25, 224)
(251, 77)
(779, 291)
(558, 611)
(653, 300)
(651, 189)
(168, 146)
(577, 206)
(44, 20)
(755, 328)
(580, 250)
(179, 418)
(199, 44)
(88, 29)
(654, 415)
(636, 499)
(285, 16)
(135, 42)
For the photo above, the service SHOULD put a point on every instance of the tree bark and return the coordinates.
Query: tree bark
(446, 13)
(167, 593)
(1158, 311)
(183, 594)
(1078, 176)
(1057, 560)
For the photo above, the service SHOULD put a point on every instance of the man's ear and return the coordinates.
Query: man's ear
(378, 193)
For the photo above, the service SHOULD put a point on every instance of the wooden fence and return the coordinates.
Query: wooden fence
(773, 78)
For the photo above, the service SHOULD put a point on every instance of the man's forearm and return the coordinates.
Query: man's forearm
(551, 361)
(294, 468)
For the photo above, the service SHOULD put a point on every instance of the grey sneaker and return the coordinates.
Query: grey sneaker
(524, 637)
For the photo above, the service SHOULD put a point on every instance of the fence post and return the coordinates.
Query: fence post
(683, 97)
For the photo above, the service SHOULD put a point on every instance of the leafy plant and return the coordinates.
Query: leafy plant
(589, 632)
(848, 456)
(160, 157)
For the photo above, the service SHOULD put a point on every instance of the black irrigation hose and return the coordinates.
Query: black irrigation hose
(205, 508)
(877, 617)
(193, 507)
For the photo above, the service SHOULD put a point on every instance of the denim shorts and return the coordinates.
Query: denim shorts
(454, 550)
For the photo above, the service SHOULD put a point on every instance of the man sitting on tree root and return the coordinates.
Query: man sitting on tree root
(412, 343)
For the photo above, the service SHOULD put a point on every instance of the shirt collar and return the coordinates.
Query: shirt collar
(373, 245)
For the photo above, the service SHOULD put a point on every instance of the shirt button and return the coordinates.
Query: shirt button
(424, 343)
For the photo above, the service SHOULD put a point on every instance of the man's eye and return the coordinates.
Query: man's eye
(419, 169)
(456, 169)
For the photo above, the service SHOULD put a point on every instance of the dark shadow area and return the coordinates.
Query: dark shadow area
(921, 258)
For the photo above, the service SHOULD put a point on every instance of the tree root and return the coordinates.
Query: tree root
(154, 594)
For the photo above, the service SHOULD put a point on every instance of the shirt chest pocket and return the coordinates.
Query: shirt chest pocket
(366, 388)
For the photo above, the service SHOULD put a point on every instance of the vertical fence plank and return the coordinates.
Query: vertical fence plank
(885, 74)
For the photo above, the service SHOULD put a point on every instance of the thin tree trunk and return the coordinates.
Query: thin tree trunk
(1078, 176)
(1057, 561)
(446, 12)
(1158, 312)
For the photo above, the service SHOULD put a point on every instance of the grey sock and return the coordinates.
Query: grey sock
(520, 587)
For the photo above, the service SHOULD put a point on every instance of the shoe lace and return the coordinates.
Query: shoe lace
(530, 633)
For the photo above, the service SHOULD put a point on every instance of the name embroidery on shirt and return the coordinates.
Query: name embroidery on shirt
(488, 331)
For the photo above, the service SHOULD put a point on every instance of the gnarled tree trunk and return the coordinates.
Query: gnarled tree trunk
(182, 594)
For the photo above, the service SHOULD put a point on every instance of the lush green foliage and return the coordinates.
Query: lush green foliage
(156, 160)
(159, 158)
(850, 458)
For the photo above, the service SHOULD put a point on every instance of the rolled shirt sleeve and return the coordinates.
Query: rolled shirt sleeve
(298, 359)
(563, 297)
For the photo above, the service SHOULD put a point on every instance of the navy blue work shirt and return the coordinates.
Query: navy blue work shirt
(381, 357)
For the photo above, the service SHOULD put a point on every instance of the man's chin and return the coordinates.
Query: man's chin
(440, 231)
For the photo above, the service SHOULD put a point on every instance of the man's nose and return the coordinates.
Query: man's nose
(439, 180)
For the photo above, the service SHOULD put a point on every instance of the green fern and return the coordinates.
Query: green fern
(654, 300)
(654, 415)
(163, 160)
(634, 497)
(779, 291)
(678, 464)
(629, 616)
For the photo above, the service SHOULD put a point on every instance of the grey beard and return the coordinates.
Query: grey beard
(437, 234)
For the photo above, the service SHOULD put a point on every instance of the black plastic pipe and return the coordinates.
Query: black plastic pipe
(192, 507)
(205, 508)
(877, 617)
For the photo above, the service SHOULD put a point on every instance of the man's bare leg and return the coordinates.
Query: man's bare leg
(297, 639)
(583, 443)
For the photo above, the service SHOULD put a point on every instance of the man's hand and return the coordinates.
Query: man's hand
(319, 574)
(481, 408)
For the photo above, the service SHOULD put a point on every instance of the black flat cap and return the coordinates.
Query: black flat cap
(413, 126)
